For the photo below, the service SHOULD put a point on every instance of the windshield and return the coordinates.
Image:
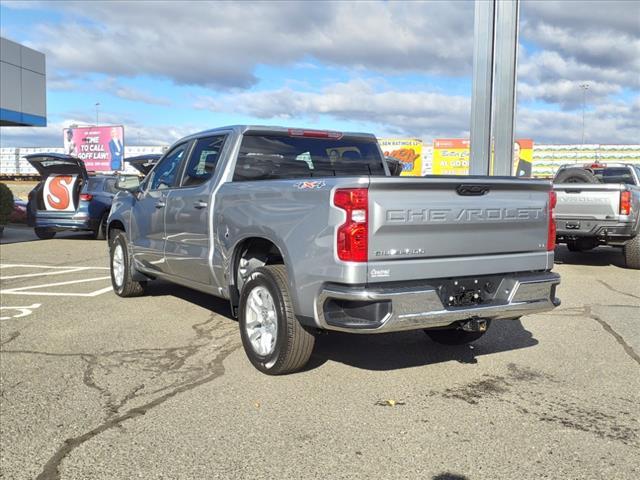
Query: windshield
(283, 157)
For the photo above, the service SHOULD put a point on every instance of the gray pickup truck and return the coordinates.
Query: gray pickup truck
(306, 230)
(599, 204)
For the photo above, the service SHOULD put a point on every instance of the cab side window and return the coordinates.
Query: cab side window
(203, 161)
(166, 172)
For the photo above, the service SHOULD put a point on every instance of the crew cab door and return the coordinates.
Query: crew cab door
(148, 215)
(188, 219)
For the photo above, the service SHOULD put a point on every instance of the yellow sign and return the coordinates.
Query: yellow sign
(451, 157)
(407, 150)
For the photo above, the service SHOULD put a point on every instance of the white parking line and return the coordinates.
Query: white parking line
(23, 290)
(25, 265)
(41, 274)
(24, 311)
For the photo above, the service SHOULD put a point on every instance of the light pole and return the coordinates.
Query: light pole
(584, 87)
(97, 106)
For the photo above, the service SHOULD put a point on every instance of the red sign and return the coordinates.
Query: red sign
(101, 148)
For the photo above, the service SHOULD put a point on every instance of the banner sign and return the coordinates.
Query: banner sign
(407, 150)
(451, 157)
(59, 193)
(101, 148)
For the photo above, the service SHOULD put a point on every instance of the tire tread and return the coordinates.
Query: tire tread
(631, 251)
(131, 288)
(299, 341)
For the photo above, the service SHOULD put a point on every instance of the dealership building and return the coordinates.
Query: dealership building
(23, 79)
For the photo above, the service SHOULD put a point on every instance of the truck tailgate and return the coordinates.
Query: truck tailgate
(588, 201)
(472, 220)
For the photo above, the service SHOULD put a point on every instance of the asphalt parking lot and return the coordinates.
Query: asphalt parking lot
(98, 387)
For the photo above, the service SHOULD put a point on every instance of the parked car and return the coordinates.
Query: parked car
(301, 240)
(599, 204)
(19, 213)
(69, 198)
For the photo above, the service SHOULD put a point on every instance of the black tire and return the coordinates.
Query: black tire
(575, 175)
(631, 251)
(44, 233)
(455, 336)
(128, 287)
(293, 344)
(101, 232)
(581, 245)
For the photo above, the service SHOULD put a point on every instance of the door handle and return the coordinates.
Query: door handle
(200, 204)
(160, 204)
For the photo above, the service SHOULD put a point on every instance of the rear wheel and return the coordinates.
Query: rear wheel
(455, 336)
(272, 337)
(121, 280)
(631, 251)
(44, 233)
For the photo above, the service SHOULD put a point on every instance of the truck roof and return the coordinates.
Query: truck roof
(241, 129)
(598, 165)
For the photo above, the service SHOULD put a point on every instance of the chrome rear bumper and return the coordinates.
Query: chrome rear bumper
(415, 307)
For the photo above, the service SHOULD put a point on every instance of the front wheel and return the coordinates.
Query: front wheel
(455, 336)
(121, 281)
(272, 337)
(631, 251)
(44, 233)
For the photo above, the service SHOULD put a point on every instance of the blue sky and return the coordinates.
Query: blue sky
(167, 69)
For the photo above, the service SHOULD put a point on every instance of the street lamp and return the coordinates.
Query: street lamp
(97, 105)
(584, 87)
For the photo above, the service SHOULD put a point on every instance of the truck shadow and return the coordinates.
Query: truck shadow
(393, 351)
(598, 257)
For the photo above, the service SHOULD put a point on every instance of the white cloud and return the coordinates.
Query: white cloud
(112, 86)
(220, 44)
(579, 42)
(410, 113)
(615, 122)
(51, 135)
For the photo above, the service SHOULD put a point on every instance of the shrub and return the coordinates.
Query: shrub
(6, 204)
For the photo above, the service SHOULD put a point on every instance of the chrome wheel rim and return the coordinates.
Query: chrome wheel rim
(117, 265)
(261, 321)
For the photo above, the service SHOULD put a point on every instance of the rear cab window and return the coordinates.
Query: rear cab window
(281, 156)
(614, 175)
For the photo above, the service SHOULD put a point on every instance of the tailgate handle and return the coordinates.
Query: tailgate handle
(472, 190)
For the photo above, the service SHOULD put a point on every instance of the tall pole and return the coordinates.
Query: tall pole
(506, 59)
(97, 105)
(584, 87)
(481, 100)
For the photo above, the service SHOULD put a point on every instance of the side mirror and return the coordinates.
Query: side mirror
(129, 183)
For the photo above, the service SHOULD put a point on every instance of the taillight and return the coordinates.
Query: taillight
(625, 203)
(297, 132)
(353, 234)
(86, 197)
(551, 238)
